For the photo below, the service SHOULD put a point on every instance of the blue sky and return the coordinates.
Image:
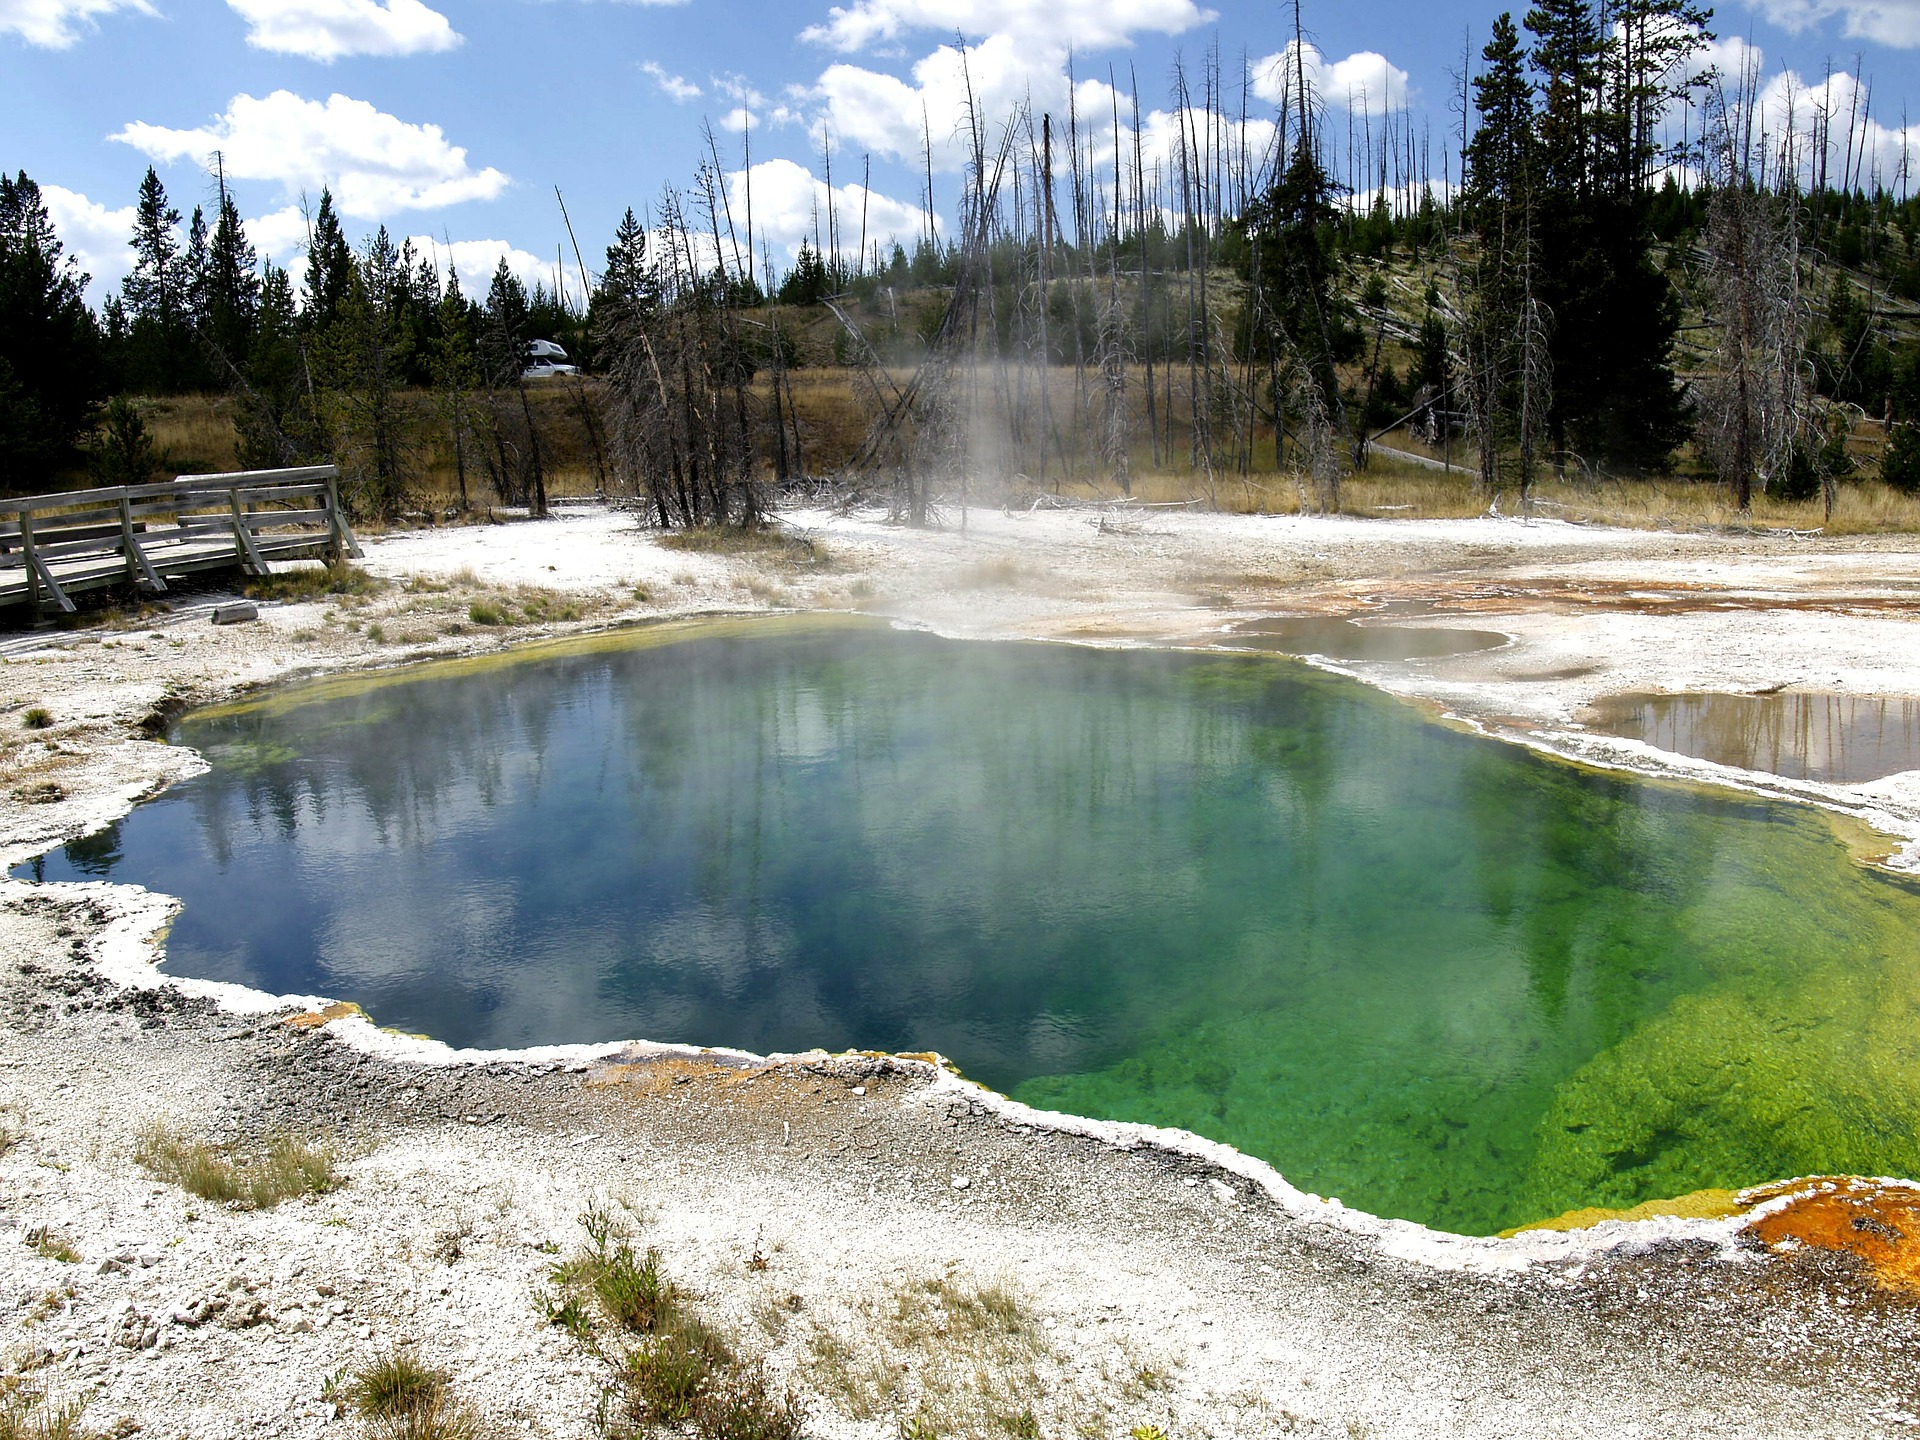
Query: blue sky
(455, 119)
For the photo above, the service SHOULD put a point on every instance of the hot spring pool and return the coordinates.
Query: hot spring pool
(1436, 976)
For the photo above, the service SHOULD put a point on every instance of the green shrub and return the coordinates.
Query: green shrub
(635, 1295)
(1900, 462)
(740, 1404)
(664, 1377)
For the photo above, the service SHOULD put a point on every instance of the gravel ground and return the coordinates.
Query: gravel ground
(810, 1205)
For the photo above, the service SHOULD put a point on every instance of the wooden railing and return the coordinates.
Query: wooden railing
(53, 546)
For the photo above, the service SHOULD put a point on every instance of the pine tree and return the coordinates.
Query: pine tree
(273, 414)
(1292, 262)
(1508, 361)
(362, 356)
(454, 374)
(330, 268)
(504, 333)
(232, 293)
(52, 364)
(160, 346)
(1614, 316)
(628, 287)
(808, 282)
(519, 466)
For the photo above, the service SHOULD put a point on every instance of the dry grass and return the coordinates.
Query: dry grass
(1401, 491)
(50, 1244)
(787, 549)
(28, 1412)
(835, 406)
(947, 1356)
(525, 605)
(193, 434)
(394, 1383)
(444, 1419)
(254, 1176)
(312, 582)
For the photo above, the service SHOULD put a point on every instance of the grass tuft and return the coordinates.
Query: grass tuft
(51, 1245)
(256, 1177)
(393, 1385)
(37, 718)
(28, 1413)
(766, 542)
(442, 1420)
(310, 582)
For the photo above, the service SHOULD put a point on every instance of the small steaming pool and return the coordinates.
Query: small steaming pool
(1436, 976)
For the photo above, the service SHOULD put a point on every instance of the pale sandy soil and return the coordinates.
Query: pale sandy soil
(1161, 1280)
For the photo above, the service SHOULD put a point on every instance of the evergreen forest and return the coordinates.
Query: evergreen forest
(1613, 268)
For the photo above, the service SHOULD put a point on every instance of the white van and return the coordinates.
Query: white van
(546, 359)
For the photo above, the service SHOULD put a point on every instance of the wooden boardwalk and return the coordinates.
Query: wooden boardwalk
(54, 546)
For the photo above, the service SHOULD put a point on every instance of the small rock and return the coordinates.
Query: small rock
(235, 613)
(859, 1089)
(961, 1182)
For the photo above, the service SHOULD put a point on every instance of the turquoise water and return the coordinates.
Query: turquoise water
(1437, 976)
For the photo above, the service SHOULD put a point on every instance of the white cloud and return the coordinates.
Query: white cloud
(787, 198)
(281, 236)
(476, 260)
(674, 87)
(99, 238)
(376, 164)
(870, 110)
(751, 108)
(1364, 83)
(1886, 22)
(56, 24)
(1053, 26)
(1791, 111)
(325, 30)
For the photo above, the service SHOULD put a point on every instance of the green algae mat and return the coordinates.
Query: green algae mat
(1435, 976)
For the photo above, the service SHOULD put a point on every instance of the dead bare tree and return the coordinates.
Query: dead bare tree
(1753, 402)
(680, 416)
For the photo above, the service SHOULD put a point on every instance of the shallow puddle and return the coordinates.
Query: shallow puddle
(1843, 739)
(1436, 976)
(1344, 640)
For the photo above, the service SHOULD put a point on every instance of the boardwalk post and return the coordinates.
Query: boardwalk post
(33, 576)
(250, 560)
(38, 575)
(140, 574)
(344, 545)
